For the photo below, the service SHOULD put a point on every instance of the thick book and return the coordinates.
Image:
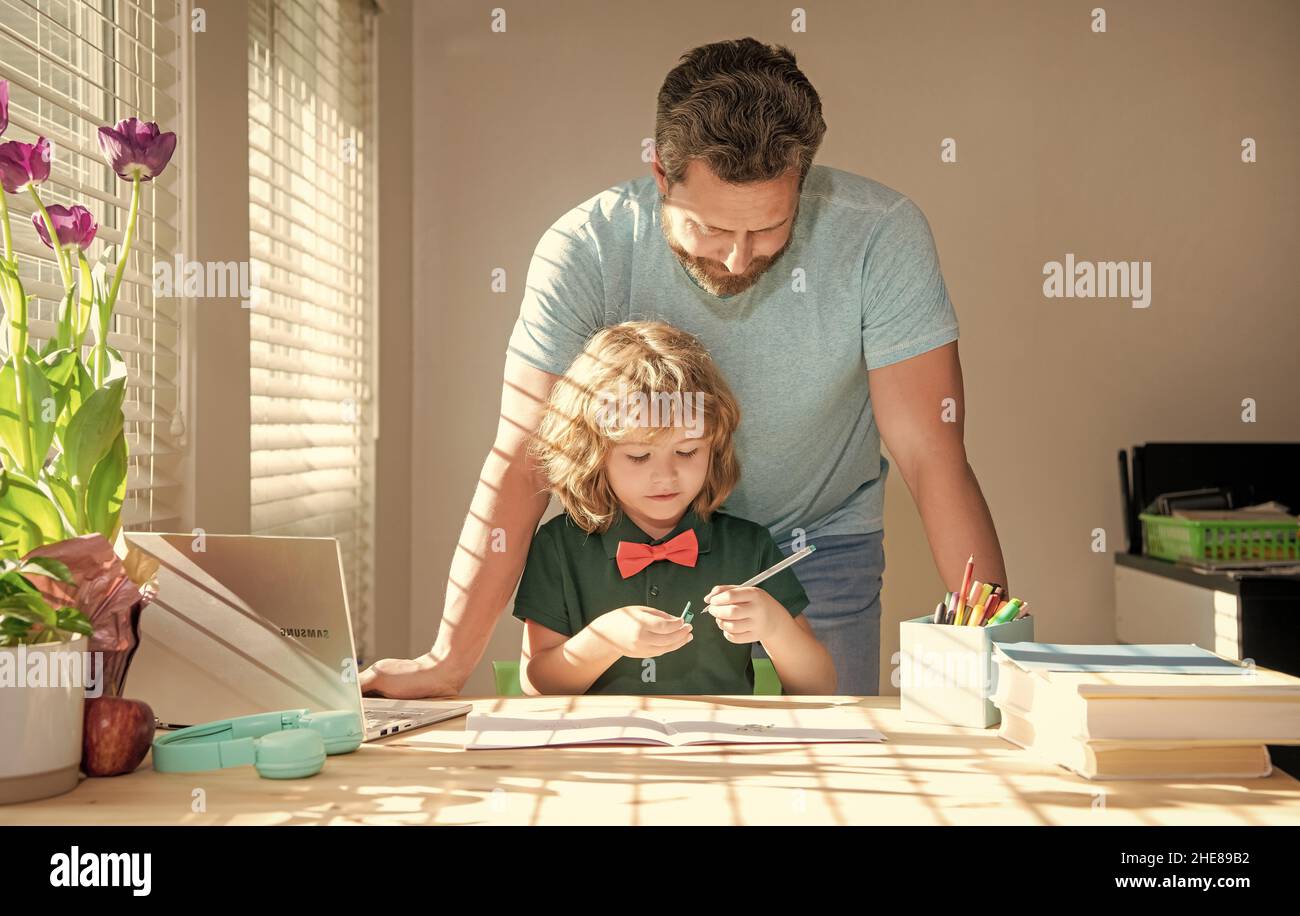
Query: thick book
(1248, 704)
(1136, 759)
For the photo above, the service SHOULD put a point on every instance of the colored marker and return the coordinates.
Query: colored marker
(1008, 612)
(966, 577)
(981, 604)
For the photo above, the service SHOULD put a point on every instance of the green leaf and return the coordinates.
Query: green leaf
(107, 489)
(38, 396)
(13, 626)
(85, 381)
(69, 520)
(85, 302)
(71, 620)
(90, 289)
(11, 292)
(114, 363)
(66, 325)
(31, 608)
(62, 492)
(45, 566)
(13, 584)
(106, 262)
(60, 370)
(14, 632)
(19, 613)
(91, 431)
(59, 366)
(80, 386)
(45, 413)
(29, 518)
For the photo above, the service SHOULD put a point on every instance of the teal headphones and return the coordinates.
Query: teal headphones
(280, 745)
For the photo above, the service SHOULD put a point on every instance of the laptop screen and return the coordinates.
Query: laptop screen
(243, 624)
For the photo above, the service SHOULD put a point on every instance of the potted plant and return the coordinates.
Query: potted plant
(63, 448)
(41, 684)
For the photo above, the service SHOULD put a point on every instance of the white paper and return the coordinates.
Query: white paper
(732, 726)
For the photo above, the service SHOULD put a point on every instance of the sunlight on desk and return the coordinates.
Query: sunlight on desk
(921, 774)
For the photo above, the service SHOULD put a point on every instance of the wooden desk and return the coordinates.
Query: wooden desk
(923, 774)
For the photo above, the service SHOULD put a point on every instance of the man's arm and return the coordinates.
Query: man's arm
(511, 495)
(930, 452)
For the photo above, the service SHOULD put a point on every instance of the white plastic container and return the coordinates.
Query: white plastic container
(947, 673)
(40, 723)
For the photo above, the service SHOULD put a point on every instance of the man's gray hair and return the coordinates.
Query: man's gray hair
(743, 108)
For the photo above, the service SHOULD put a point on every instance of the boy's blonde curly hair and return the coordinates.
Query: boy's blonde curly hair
(578, 428)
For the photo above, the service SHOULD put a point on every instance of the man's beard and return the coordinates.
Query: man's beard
(722, 283)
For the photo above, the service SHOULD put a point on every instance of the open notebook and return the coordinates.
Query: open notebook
(485, 731)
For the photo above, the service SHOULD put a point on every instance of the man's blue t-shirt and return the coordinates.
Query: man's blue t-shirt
(859, 287)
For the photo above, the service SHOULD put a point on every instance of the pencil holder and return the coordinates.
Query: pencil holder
(947, 674)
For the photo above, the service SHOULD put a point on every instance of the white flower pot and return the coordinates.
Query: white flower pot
(40, 725)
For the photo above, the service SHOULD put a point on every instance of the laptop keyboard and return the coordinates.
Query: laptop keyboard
(384, 716)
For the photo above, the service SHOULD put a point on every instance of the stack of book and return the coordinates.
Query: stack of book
(1144, 712)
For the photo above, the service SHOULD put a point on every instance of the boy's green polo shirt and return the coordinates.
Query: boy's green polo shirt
(571, 578)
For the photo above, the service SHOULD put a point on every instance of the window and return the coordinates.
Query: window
(312, 327)
(74, 66)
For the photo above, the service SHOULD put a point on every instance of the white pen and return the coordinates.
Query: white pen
(765, 574)
(788, 561)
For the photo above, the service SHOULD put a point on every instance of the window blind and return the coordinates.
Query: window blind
(74, 66)
(311, 137)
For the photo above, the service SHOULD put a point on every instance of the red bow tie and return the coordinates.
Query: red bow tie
(682, 550)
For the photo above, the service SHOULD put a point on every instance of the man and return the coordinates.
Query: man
(818, 294)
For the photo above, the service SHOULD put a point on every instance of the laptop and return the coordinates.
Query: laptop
(246, 624)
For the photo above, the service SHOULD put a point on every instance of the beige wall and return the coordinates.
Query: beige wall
(1117, 146)
(218, 456)
(393, 452)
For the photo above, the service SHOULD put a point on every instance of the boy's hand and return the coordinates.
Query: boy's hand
(745, 614)
(641, 632)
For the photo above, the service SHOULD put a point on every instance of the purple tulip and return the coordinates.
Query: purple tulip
(75, 226)
(4, 105)
(22, 164)
(136, 149)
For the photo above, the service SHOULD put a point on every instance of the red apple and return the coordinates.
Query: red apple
(116, 735)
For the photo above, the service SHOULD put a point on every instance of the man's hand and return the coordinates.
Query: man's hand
(410, 679)
(747, 614)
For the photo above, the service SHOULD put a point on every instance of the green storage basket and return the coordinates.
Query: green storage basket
(1202, 540)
